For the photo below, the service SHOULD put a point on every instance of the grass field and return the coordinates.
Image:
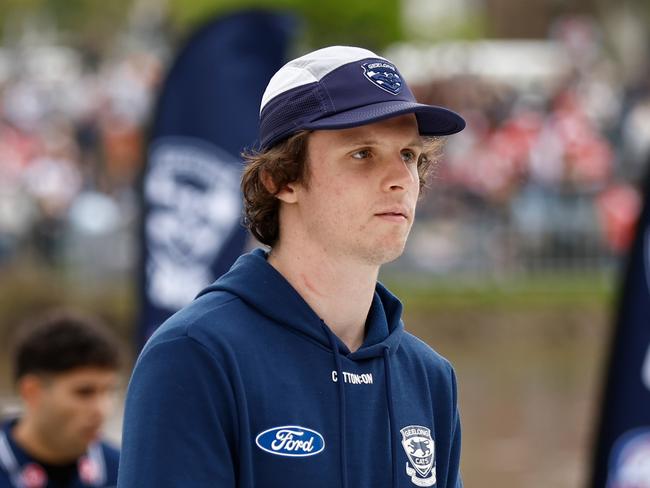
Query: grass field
(528, 354)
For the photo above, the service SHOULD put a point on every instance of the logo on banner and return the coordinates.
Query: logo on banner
(192, 189)
(291, 441)
(630, 466)
(420, 450)
(384, 75)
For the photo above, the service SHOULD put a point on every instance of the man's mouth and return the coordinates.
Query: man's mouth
(396, 216)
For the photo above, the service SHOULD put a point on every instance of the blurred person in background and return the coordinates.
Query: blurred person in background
(66, 370)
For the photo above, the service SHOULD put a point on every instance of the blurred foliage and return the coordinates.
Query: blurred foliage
(87, 22)
(557, 291)
(370, 23)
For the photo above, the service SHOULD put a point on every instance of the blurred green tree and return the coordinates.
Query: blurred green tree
(84, 22)
(369, 23)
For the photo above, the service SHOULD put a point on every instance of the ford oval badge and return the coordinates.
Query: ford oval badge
(291, 440)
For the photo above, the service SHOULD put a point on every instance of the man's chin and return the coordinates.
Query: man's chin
(390, 257)
(89, 436)
(380, 255)
(72, 454)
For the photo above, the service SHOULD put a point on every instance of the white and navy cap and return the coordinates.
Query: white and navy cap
(340, 87)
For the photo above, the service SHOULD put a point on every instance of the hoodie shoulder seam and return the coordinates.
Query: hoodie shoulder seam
(211, 309)
(436, 354)
(185, 336)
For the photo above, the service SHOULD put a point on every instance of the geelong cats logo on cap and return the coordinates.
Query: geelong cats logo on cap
(420, 450)
(384, 75)
(290, 440)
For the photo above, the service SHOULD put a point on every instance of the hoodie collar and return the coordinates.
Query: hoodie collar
(263, 288)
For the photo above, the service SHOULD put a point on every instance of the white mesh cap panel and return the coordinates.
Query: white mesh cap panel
(312, 67)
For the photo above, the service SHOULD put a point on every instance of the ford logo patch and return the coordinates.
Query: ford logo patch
(291, 440)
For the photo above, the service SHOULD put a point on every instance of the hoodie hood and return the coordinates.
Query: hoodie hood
(384, 327)
(263, 288)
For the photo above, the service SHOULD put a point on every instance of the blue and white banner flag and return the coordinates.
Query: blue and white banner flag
(622, 454)
(207, 113)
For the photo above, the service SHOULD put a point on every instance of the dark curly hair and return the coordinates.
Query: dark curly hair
(285, 163)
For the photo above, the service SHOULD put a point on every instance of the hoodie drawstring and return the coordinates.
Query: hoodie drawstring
(391, 414)
(342, 415)
(342, 419)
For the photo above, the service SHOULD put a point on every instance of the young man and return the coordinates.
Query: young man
(66, 372)
(294, 368)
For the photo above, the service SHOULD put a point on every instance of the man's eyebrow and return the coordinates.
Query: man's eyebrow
(352, 141)
(417, 142)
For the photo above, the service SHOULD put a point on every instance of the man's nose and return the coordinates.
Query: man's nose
(400, 175)
(102, 406)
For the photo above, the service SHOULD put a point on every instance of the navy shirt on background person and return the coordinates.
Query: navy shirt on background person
(97, 468)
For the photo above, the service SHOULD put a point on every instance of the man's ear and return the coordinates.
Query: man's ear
(30, 388)
(286, 194)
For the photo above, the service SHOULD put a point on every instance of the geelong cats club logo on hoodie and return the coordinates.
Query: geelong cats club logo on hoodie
(420, 450)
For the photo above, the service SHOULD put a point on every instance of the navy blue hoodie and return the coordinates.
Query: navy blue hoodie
(247, 387)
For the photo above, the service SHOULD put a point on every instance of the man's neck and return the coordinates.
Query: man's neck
(339, 291)
(28, 439)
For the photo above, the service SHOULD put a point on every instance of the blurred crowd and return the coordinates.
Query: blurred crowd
(543, 163)
(71, 144)
(546, 173)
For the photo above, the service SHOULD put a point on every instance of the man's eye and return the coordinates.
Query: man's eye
(409, 156)
(85, 392)
(363, 154)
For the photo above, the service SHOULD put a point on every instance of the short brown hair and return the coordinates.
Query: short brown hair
(63, 340)
(284, 163)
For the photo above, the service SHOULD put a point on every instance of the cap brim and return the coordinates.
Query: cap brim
(432, 120)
